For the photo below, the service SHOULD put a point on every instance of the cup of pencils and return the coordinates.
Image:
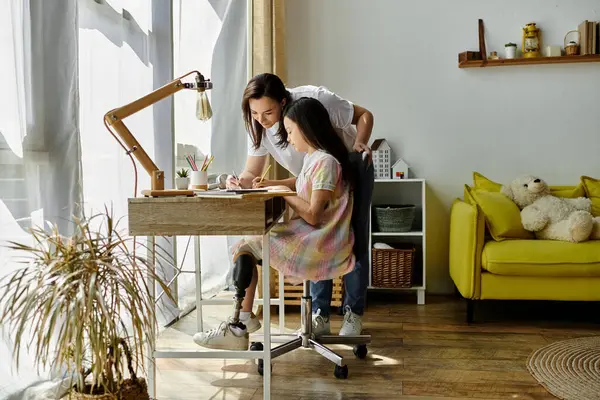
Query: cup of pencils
(199, 177)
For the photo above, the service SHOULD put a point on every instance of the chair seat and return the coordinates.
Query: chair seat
(542, 258)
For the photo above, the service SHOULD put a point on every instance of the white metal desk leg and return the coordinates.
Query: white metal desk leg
(150, 344)
(281, 305)
(266, 270)
(198, 264)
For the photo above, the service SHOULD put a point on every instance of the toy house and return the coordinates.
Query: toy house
(400, 170)
(381, 152)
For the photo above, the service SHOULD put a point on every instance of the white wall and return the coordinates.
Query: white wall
(398, 58)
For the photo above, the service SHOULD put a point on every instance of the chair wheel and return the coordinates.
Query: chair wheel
(261, 367)
(341, 372)
(360, 351)
(256, 346)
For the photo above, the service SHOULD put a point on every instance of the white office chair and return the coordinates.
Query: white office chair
(306, 339)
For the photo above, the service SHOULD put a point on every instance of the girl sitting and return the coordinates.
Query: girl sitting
(317, 242)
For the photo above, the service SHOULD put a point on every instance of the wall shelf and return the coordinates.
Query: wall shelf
(530, 61)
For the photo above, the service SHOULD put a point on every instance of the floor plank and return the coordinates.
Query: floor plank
(417, 352)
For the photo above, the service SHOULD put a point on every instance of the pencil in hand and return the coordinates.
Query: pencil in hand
(262, 178)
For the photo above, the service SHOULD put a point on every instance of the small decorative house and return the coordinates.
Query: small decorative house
(381, 152)
(400, 170)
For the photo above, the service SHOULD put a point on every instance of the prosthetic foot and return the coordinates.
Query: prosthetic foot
(232, 334)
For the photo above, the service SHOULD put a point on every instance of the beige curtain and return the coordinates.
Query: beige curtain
(268, 55)
(268, 51)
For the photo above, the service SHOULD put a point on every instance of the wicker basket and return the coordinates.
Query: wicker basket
(392, 268)
(394, 218)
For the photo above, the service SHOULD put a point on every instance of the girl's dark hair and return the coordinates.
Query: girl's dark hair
(312, 118)
(262, 85)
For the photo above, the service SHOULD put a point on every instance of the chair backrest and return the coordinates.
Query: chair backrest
(363, 192)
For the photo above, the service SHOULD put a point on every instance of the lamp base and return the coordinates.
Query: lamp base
(167, 193)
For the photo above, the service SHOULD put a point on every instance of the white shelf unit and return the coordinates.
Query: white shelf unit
(396, 192)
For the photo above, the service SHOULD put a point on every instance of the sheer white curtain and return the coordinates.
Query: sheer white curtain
(39, 146)
(63, 66)
(15, 73)
(210, 36)
(125, 52)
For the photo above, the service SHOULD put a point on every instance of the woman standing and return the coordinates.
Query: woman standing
(263, 101)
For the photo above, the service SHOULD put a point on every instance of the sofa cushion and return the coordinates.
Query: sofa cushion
(571, 192)
(592, 191)
(502, 216)
(542, 258)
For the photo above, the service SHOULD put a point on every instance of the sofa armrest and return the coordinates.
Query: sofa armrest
(467, 237)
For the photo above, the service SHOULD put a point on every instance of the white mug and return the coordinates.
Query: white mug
(199, 180)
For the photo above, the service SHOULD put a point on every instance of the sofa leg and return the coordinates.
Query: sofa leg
(470, 307)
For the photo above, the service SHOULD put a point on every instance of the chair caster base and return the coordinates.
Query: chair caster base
(257, 346)
(341, 372)
(360, 351)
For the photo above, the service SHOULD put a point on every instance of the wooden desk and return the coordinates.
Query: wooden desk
(247, 214)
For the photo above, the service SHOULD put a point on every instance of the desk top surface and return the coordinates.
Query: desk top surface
(201, 196)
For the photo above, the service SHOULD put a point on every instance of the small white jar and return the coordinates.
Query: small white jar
(510, 50)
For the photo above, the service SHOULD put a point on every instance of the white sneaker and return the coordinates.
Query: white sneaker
(252, 323)
(352, 325)
(225, 336)
(320, 325)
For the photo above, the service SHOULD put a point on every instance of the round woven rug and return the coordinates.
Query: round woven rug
(569, 369)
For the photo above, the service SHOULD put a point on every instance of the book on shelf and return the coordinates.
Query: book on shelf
(589, 40)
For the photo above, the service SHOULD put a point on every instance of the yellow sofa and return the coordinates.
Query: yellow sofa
(493, 257)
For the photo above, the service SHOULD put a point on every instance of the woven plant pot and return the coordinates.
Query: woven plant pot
(394, 218)
(133, 388)
(130, 390)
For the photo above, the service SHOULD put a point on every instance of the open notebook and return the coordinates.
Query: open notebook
(235, 192)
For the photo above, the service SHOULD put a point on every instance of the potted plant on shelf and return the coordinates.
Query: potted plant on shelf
(182, 181)
(83, 305)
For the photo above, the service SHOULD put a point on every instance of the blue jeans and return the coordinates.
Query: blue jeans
(357, 281)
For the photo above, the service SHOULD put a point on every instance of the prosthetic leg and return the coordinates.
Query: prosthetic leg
(243, 270)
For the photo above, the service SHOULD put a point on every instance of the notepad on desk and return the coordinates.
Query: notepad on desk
(239, 192)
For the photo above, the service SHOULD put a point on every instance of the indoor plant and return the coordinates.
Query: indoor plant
(182, 181)
(85, 302)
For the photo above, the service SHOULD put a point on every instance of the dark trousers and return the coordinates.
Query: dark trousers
(357, 281)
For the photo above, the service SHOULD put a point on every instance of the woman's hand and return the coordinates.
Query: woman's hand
(360, 147)
(232, 183)
(243, 183)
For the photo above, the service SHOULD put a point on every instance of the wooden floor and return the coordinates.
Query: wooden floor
(418, 352)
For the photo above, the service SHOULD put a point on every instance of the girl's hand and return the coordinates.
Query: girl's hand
(256, 183)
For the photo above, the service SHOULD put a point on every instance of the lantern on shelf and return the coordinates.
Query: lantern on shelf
(531, 40)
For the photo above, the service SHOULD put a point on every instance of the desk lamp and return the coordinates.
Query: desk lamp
(114, 119)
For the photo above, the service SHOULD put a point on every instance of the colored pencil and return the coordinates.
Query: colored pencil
(262, 178)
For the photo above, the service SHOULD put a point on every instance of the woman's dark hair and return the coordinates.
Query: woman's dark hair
(262, 85)
(312, 118)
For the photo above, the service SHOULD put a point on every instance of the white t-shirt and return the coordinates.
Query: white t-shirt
(340, 111)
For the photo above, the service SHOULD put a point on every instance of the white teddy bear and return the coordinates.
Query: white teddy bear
(552, 217)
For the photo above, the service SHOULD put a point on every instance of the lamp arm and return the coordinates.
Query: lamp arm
(114, 118)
